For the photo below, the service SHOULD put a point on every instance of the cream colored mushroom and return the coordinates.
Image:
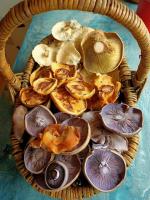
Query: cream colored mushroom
(68, 54)
(65, 31)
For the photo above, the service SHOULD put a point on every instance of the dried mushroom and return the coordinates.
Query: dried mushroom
(80, 89)
(68, 54)
(63, 73)
(36, 159)
(122, 119)
(56, 175)
(58, 139)
(44, 86)
(85, 133)
(40, 72)
(60, 117)
(18, 121)
(66, 31)
(102, 52)
(66, 103)
(30, 98)
(37, 119)
(73, 165)
(107, 92)
(83, 154)
(105, 169)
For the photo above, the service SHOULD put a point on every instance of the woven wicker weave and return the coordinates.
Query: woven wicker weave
(132, 82)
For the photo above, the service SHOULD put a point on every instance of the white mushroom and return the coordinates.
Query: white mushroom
(65, 31)
(68, 54)
(44, 55)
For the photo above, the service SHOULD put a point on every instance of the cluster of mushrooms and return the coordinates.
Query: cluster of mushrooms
(89, 130)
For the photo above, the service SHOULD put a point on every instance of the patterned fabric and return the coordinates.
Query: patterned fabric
(137, 183)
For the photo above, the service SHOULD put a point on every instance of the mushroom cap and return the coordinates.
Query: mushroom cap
(56, 175)
(73, 165)
(83, 154)
(43, 54)
(80, 89)
(18, 121)
(66, 31)
(37, 119)
(36, 159)
(60, 117)
(66, 103)
(40, 72)
(105, 169)
(67, 54)
(30, 98)
(95, 122)
(102, 52)
(122, 119)
(44, 86)
(85, 134)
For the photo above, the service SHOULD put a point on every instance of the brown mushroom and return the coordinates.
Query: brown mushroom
(56, 175)
(60, 117)
(37, 119)
(122, 119)
(85, 134)
(105, 169)
(18, 121)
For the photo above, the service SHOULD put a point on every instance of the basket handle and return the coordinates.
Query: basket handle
(23, 11)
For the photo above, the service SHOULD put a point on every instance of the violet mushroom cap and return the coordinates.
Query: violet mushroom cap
(73, 165)
(56, 175)
(36, 159)
(85, 134)
(105, 169)
(60, 117)
(95, 122)
(122, 119)
(37, 119)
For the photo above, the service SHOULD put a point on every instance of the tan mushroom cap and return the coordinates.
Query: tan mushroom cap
(102, 52)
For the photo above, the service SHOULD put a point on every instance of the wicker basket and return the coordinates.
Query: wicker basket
(132, 82)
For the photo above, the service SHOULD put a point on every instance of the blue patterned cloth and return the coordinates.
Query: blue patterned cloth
(137, 183)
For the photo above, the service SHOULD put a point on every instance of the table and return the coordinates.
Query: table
(137, 183)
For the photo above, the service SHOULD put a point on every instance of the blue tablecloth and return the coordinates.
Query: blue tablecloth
(137, 183)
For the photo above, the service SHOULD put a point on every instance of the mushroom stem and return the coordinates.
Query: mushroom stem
(55, 174)
(99, 47)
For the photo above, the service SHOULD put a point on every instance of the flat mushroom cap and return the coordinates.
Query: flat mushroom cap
(122, 119)
(102, 52)
(36, 159)
(56, 175)
(73, 165)
(85, 133)
(37, 119)
(105, 169)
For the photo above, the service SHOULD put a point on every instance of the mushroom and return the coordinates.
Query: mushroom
(73, 165)
(18, 121)
(37, 119)
(66, 103)
(102, 52)
(45, 54)
(80, 89)
(60, 117)
(30, 98)
(85, 134)
(56, 175)
(67, 54)
(44, 86)
(83, 154)
(66, 31)
(105, 169)
(40, 72)
(36, 159)
(122, 119)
